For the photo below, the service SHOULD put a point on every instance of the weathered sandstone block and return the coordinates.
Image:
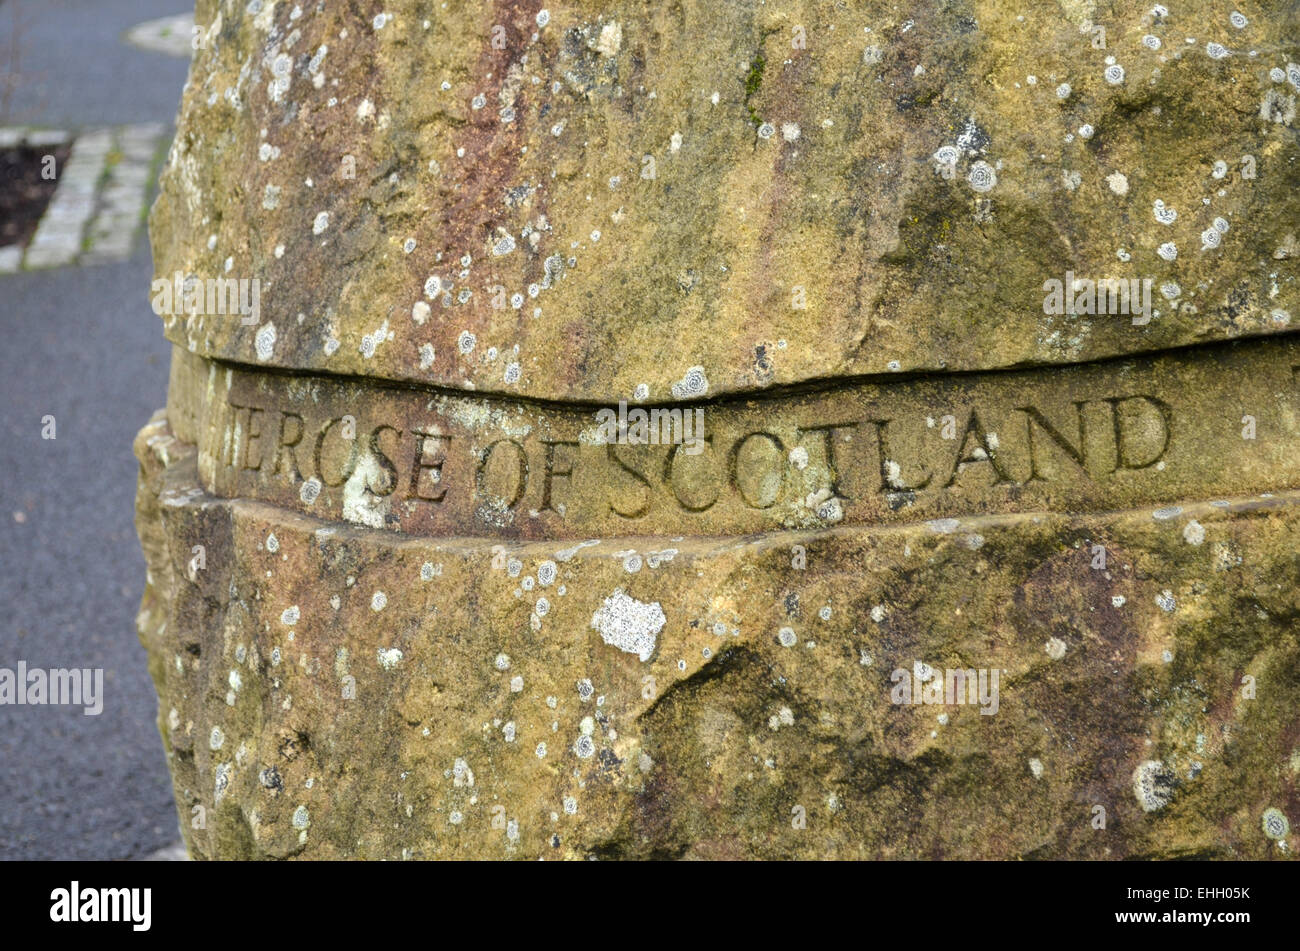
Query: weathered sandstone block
(721, 430)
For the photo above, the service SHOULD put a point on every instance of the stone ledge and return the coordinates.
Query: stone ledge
(312, 672)
(1097, 437)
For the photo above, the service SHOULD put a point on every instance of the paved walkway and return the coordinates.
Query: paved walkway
(99, 204)
(83, 346)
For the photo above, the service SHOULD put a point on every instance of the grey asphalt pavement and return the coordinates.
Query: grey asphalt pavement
(81, 345)
(75, 70)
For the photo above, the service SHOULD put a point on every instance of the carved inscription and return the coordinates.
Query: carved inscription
(1076, 439)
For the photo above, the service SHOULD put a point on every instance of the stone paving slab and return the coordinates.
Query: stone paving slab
(171, 35)
(98, 208)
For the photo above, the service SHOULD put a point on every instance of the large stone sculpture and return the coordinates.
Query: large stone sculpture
(729, 430)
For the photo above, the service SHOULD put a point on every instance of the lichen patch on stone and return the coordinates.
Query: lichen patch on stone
(628, 624)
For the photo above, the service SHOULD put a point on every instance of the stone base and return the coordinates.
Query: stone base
(331, 691)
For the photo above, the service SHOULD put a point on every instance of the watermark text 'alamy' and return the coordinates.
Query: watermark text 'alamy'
(1109, 295)
(190, 296)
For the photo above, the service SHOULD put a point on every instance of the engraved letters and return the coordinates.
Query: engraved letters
(865, 453)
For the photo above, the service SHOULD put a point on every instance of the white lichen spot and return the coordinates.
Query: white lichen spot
(1193, 532)
(693, 384)
(546, 573)
(220, 782)
(309, 491)
(1278, 107)
(1152, 785)
(982, 177)
(290, 615)
(388, 657)
(462, 775)
(264, 342)
(611, 39)
(321, 222)
(360, 505)
(378, 601)
(1275, 824)
(628, 624)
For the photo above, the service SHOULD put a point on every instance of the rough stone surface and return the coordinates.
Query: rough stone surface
(519, 171)
(409, 598)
